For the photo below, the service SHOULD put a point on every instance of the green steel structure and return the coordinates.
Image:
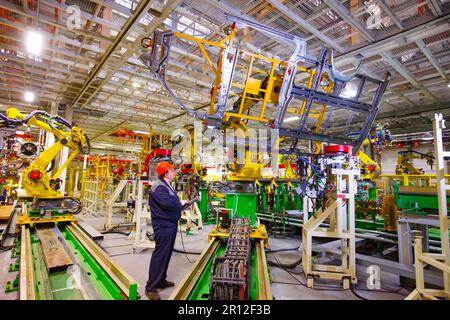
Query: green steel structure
(419, 201)
(196, 284)
(92, 275)
(201, 288)
(243, 205)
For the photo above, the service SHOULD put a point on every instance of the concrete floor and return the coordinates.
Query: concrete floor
(285, 286)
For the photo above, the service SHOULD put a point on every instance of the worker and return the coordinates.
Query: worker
(165, 207)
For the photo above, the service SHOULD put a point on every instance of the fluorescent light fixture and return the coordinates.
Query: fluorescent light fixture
(140, 132)
(350, 90)
(349, 93)
(34, 42)
(290, 119)
(29, 96)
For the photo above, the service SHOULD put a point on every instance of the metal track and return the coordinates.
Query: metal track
(230, 274)
(91, 274)
(185, 287)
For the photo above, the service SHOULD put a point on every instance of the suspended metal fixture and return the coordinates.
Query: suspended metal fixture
(282, 94)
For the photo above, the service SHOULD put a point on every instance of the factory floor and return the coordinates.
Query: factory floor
(285, 286)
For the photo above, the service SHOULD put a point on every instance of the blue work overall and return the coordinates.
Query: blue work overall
(165, 207)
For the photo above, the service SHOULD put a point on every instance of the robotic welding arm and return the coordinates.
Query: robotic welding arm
(35, 179)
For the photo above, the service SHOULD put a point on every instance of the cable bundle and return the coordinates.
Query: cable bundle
(230, 276)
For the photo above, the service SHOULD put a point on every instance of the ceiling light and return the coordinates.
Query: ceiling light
(34, 42)
(348, 94)
(448, 84)
(140, 132)
(136, 85)
(290, 119)
(29, 96)
(349, 91)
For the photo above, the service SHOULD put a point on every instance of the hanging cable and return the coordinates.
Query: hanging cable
(186, 252)
(182, 243)
(357, 295)
(322, 287)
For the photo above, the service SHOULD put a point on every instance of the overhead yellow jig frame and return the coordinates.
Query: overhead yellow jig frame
(313, 82)
(253, 92)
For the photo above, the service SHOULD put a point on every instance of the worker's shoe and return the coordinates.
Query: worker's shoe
(152, 295)
(166, 284)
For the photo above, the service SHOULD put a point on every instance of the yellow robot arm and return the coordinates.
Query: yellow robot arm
(367, 142)
(35, 179)
(371, 167)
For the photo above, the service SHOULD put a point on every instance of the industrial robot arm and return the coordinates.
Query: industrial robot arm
(35, 179)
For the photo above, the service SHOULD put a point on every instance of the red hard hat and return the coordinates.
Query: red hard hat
(163, 167)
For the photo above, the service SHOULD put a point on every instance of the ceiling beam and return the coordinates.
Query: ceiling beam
(142, 7)
(420, 43)
(390, 13)
(407, 75)
(168, 8)
(387, 55)
(403, 113)
(422, 31)
(434, 7)
(427, 52)
(29, 14)
(305, 25)
(108, 131)
(220, 4)
(345, 14)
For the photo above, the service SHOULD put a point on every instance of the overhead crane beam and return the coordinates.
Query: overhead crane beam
(168, 8)
(142, 7)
